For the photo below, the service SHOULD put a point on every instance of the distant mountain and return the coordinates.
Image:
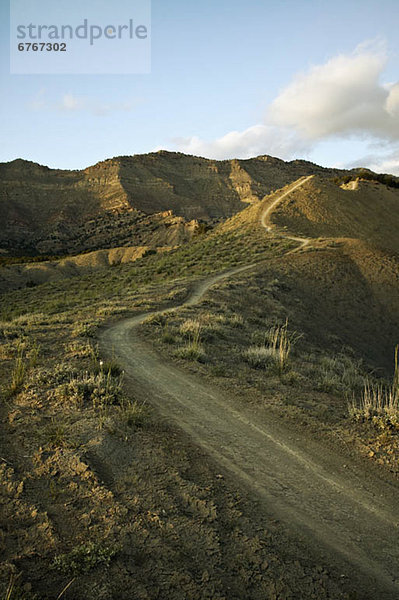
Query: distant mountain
(153, 199)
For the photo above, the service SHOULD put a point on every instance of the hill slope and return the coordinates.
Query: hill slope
(53, 211)
(363, 210)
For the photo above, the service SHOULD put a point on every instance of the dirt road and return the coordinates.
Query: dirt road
(347, 516)
(265, 219)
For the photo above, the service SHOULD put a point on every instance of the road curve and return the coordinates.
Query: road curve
(347, 517)
(265, 218)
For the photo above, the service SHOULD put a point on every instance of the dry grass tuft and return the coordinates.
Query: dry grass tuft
(275, 351)
(379, 404)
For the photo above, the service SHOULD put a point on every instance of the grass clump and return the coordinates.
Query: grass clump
(84, 558)
(14, 591)
(167, 336)
(24, 362)
(133, 413)
(259, 357)
(84, 330)
(190, 328)
(378, 403)
(274, 352)
(339, 374)
(236, 321)
(280, 342)
(18, 374)
(100, 389)
(193, 348)
(55, 434)
(108, 367)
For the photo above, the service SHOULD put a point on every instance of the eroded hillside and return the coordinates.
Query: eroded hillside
(362, 210)
(48, 211)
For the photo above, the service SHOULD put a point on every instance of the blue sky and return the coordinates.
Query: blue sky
(292, 78)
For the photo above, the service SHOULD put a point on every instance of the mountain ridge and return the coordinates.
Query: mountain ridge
(118, 202)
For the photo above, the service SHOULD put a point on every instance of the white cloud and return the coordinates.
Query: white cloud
(71, 103)
(258, 139)
(343, 98)
(392, 102)
(386, 162)
(386, 165)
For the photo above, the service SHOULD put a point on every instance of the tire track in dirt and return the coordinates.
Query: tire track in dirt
(348, 519)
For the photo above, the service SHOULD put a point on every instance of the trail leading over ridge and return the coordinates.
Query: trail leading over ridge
(347, 517)
(265, 219)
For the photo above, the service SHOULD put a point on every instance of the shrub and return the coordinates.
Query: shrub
(385, 178)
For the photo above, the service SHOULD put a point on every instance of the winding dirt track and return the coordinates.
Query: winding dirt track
(348, 517)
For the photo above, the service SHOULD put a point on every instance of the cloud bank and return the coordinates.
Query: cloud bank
(343, 98)
(243, 144)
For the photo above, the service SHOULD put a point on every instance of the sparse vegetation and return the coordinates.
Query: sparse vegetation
(99, 389)
(379, 403)
(385, 178)
(260, 357)
(192, 350)
(84, 330)
(275, 351)
(84, 558)
(133, 413)
(84, 456)
(18, 374)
